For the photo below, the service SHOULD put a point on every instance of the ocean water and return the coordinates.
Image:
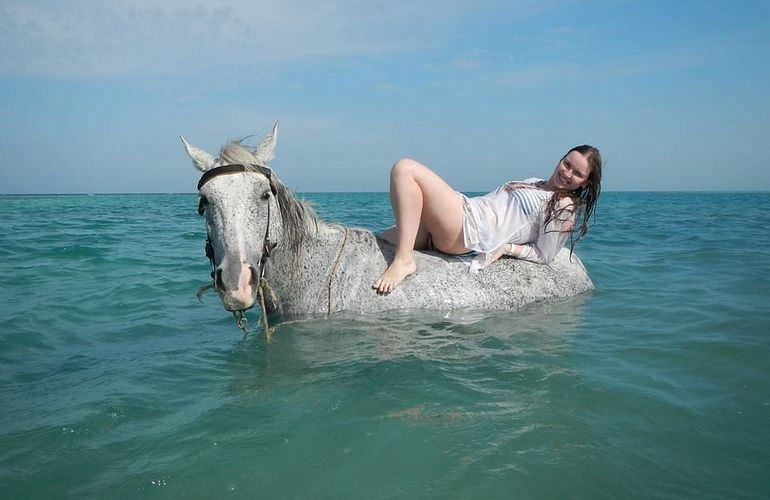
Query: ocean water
(116, 382)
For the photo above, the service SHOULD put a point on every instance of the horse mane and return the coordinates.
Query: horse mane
(297, 216)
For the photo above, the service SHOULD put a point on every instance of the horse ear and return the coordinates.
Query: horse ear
(266, 151)
(201, 159)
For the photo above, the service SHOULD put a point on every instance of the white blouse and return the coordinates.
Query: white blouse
(516, 216)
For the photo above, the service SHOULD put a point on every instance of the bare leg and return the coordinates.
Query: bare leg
(420, 242)
(424, 205)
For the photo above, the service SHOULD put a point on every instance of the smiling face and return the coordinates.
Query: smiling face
(571, 173)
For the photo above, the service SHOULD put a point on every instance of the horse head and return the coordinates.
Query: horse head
(238, 199)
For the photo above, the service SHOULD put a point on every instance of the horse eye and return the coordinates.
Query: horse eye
(266, 195)
(202, 205)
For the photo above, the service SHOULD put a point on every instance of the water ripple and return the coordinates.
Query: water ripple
(116, 382)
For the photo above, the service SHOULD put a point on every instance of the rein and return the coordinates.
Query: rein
(334, 271)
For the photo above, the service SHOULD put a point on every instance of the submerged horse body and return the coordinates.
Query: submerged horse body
(263, 240)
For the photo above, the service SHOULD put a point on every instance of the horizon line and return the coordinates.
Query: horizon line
(115, 193)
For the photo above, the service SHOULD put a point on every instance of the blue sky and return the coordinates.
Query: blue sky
(94, 95)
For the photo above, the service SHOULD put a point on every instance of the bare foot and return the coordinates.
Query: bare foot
(394, 274)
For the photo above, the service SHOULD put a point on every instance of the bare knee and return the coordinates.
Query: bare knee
(405, 167)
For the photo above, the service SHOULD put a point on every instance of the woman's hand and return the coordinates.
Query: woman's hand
(511, 185)
(503, 250)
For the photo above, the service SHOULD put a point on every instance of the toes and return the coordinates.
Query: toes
(391, 278)
(384, 287)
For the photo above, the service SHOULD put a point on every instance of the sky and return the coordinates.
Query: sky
(94, 95)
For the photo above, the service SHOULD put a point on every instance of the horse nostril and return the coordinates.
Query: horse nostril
(218, 280)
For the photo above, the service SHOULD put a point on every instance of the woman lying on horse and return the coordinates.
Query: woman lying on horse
(528, 219)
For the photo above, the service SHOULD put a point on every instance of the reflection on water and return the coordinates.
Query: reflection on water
(321, 343)
(467, 392)
(430, 335)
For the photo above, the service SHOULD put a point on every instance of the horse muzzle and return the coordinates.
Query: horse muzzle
(238, 288)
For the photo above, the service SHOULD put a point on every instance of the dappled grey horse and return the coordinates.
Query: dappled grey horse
(270, 248)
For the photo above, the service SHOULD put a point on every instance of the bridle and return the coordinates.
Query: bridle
(235, 169)
(267, 245)
(263, 286)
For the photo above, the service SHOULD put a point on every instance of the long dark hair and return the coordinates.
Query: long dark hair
(583, 199)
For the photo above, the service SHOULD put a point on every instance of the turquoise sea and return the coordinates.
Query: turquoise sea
(116, 382)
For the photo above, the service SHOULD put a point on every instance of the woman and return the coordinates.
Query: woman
(528, 220)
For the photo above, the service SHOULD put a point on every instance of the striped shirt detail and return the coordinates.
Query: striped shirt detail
(530, 200)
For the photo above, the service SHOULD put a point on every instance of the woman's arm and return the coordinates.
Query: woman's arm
(551, 237)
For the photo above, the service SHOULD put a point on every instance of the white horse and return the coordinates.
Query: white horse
(266, 245)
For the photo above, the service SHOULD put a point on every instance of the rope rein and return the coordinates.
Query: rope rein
(263, 308)
(334, 271)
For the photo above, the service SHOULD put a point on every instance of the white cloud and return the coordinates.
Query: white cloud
(89, 38)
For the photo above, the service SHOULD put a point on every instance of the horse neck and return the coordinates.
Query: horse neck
(318, 234)
(315, 256)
